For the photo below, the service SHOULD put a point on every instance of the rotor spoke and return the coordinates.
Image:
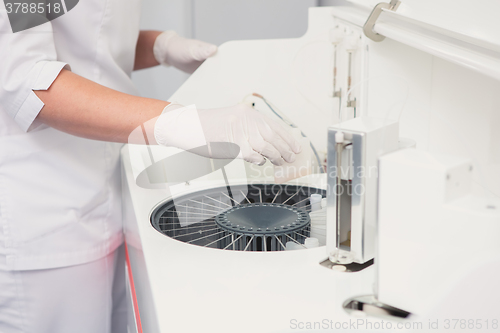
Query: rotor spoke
(234, 241)
(236, 202)
(245, 196)
(279, 192)
(217, 240)
(218, 201)
(294, 240)
(199, 208)
(278, 239)
(197, 239)
(196, 232)
(250, 242)
(176, 229)
(293, 195)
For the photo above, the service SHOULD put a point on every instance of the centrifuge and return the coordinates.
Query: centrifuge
(396, 210)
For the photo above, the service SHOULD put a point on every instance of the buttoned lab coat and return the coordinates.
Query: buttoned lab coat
(60, 194)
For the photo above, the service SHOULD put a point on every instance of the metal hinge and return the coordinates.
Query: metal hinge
(372, 19)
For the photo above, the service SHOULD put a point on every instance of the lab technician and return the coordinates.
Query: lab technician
(66, 105)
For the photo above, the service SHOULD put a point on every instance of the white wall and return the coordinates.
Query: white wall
(160, 82)
(216, 21)
(333, 2)
(219, 21)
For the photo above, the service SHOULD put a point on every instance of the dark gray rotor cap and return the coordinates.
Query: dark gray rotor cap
(263, 219)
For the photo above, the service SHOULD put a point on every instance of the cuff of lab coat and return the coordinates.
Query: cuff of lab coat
(46, 72)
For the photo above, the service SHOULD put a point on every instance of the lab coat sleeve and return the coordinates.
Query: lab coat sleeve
(28, 61)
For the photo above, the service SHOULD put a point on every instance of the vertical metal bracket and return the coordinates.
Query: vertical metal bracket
(372, 19)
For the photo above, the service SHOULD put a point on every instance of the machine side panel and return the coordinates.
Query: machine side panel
(135, 258)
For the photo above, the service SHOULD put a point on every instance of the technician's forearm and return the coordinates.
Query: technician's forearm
(84, 108)
(144, 56)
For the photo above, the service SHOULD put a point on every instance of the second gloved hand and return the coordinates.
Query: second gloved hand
(170, 49)
(257, 136)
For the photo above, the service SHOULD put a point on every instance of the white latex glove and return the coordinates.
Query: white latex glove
(256, 135)
(185, 54)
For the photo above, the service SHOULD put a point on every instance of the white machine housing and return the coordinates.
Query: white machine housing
(448, 58)
(431, 228)
(367, 139)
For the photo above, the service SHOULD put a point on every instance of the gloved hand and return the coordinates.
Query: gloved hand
(170, 49)
(256, 135)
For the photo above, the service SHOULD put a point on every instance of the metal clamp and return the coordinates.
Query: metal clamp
(372, 19)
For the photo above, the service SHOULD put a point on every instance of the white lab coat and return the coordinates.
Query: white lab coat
(59, 194)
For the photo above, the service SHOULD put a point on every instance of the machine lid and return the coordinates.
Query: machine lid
(457, 32)
(475, 19)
